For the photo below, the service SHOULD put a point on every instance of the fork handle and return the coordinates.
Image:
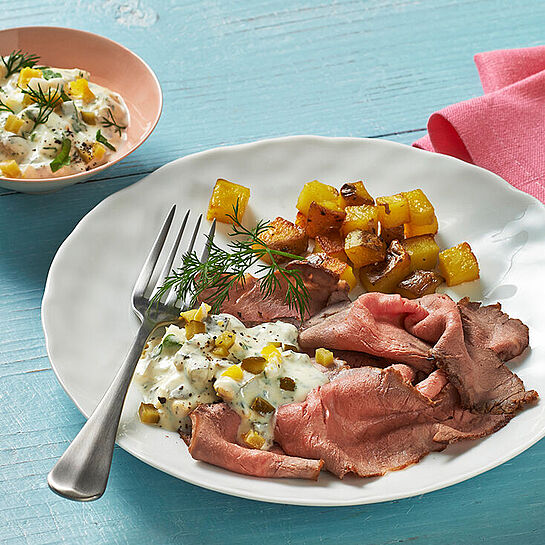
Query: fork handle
(82, 471)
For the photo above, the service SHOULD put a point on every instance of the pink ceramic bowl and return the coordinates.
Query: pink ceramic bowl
(110, 65)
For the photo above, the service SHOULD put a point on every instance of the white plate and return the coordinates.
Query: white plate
(89, 325)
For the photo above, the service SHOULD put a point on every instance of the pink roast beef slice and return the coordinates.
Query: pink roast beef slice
(373, 324)
(213, 440)
(247, 302)
(489, 327)
(369, 421)
(484, 383)
(433, 384)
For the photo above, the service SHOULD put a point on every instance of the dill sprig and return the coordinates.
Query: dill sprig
(46, 102)
(18, 60)
(226, 269)
(4, 107)
(110, 121)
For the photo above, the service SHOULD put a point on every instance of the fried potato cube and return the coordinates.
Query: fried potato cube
(363, 248)
(418, 284)
(364, 217)
(393, 210)
(412, 230)
(318, 192)
(394, 233)
(423, 251)
(343, 270)
(225, 196)
(421, 211)
(386, 275)
(300, 220)
(355, 194)
(284, 236)
(10, 169)
(323, 218)
(148, 414)
(331, 244)
(458, 264)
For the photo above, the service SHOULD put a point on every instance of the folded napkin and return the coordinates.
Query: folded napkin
(503, 130)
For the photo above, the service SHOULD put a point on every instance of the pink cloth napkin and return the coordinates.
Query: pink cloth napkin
(503, 130)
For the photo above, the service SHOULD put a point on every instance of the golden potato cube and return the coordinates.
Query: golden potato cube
(423, 251)
(26, 74)
(13, 124)
(412, 230)
(300, 220)
(331, 244)
(355, 194)
(324, 357)
(340, 268)
(418, 284)
(458, 264)
(323, 217)
(284, 236)
(364, 217)
(363, 248)
(421, 211)
(386, 275)
(225, 196)
(394, 233)
(10, 169)
(316, 192)
(393, 210)
(148, 414)
(253, 439)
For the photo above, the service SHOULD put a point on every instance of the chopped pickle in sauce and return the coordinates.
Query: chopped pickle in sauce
(226, 362)
(148, 413)
(254, 364)
(261, 405)
(287, 383)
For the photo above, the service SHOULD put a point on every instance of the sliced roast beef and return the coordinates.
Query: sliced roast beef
(484, 383)
(247, 302)
(373, 324)
(489, 327)
(368, 421)
(213, 440)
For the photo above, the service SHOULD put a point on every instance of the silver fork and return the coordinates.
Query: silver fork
(82, 471)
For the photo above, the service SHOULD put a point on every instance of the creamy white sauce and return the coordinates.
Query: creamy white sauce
(177, 375)
(34, 147)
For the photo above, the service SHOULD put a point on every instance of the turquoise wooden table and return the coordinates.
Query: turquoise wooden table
(232, 72)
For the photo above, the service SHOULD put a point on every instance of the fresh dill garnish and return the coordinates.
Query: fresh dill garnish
(110, 121)
(18, 60)
(46, 102)
(226, 269)
(4, 107)
(102, 139)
